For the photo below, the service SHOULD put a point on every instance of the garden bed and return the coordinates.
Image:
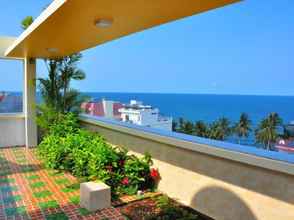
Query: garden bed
(160, 208)
(86, 155)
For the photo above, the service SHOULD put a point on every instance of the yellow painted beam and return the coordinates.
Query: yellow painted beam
(68, 26)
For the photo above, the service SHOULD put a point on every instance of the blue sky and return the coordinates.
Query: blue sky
(245, 48)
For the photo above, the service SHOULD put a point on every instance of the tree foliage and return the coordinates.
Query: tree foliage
(26, 22)
(243, 127)
(267, 131)
(56, 89)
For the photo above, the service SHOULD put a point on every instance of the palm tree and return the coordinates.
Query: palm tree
(69, 72)
(174, 126)
(242, 128)
(267, 131)
(220, 129)
(55, 89)
(201, 129)
(181, 125)
(188, 128)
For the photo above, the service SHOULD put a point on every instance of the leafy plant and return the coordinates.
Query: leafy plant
(88, 155)
(51, 121)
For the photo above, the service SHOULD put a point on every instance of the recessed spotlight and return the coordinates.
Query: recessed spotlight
(103, 23)
(52, 50)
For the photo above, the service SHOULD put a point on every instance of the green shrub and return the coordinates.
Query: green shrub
(65, 124)
(50, 121)
(87, 155)
(138, 173)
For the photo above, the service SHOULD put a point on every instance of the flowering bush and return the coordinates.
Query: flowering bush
(87, 155)
(154, 174)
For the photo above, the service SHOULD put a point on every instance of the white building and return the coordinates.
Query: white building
(144, 115)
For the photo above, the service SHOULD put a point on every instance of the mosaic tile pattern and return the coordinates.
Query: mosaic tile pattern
(29, 191)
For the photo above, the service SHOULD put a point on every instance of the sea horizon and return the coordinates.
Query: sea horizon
(176, 93)
(205, 107)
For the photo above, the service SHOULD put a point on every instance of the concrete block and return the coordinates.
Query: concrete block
(95, 196)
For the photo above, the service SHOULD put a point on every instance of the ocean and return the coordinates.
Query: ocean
(209, 108)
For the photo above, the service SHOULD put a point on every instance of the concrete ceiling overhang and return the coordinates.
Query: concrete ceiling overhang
(68, 26)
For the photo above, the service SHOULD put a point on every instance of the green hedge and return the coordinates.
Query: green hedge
(87, 155)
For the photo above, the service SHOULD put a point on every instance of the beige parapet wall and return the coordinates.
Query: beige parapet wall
(5, 42)
(12, 130)
(216, 186)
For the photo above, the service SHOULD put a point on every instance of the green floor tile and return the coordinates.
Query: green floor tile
(5, 167)
(7, 180)
(48, 205)
(37, 185)
(55, 173)
(62, 181)
(75, 200)
(67, 190)
(42, 194)
(58, 216)
(84, 211)
(3, 161)
(32, 177)
(8, 188)
(5, 172)
(15, 211)
(71, 188)
(27, 169)
(11, 199)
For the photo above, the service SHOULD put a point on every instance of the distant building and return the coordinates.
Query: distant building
(285, 146)
(10, 103)
(144, 115)
(104, 108)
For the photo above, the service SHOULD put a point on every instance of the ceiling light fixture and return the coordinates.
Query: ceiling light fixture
(52, 50)
(103, 23)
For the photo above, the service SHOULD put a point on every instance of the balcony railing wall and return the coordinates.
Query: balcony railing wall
(221, 183)
(12, 130)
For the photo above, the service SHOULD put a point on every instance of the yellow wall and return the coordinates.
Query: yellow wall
(217, 187)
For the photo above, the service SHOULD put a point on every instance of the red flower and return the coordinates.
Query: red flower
(122, 163)
(125, 181)
(154, 174)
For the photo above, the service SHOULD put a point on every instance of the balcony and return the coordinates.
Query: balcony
(221, 180)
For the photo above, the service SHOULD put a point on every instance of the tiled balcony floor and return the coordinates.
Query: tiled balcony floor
(29, 191)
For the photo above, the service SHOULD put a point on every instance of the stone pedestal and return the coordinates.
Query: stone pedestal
(95, 196)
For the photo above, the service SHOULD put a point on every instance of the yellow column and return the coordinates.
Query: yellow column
(29, 102)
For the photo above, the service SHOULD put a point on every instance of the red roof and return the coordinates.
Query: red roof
(97, 109)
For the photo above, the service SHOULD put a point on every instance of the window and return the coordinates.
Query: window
(11, 86)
